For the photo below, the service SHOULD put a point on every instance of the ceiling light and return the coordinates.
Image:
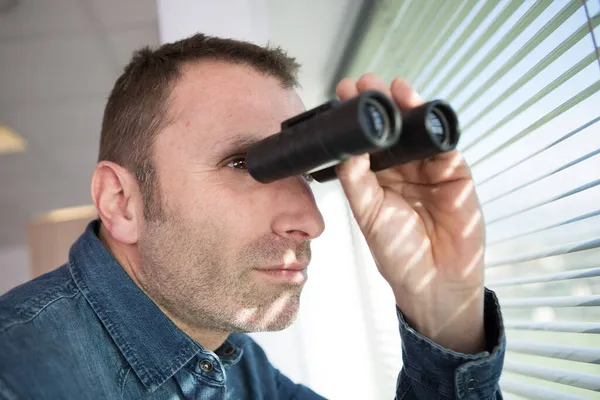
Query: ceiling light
(10, 142)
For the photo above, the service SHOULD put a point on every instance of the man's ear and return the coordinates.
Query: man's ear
(117, 197)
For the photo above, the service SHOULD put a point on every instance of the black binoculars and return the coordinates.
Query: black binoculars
(315, 141)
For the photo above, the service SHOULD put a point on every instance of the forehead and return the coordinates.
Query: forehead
(216, 100)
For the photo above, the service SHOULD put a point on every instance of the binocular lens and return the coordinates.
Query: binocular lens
(378, 120)
(438, 126)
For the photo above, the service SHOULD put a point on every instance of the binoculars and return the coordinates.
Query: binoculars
(315, 141)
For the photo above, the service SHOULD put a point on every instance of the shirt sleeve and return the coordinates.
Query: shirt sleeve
(432, 372)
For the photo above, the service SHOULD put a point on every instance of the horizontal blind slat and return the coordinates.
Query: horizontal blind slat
(422, 43)
(389, 33)
(540, 203)
(559, 301)
(588, 355)
(534, 391)
(458, 15)
(548, 227)
(468, 31)
(542, 34)
(541, 150)
(406, 37)
(537, 254)
(476, 45)
(535, 10)
(430, 32)
(564, 376)
(565, 76)
(564, 107)
(548, 173)
(435, 68)
(555, 277)
(408, 10)
(572, 327)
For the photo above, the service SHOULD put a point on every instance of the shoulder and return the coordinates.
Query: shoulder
(36, 315)
(51, 336)
(28, 301)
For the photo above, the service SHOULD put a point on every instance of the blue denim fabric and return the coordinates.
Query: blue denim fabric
(87, 331)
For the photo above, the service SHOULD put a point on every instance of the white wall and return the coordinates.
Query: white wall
(236, 19)
(14, 267)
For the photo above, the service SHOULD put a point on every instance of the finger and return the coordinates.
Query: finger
(404, 95)
(361, 188)
(447, 166)
(372, 81)
(346, 89)
(441, 168)
(360, 184)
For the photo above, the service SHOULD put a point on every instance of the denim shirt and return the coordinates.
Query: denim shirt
(87, 331)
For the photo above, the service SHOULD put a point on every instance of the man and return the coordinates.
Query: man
(189, 252)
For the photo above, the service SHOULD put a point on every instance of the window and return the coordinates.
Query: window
(524, 78)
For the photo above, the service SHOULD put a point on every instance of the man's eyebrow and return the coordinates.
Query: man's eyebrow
(238, 143)
(240, 140)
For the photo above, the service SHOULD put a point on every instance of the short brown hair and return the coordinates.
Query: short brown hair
(137, 108)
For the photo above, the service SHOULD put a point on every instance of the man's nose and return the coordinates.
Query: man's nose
(297, 216)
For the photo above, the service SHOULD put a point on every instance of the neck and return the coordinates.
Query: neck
(209, 340)
(125, 256)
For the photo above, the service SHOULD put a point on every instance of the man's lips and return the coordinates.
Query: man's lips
(286, 267)
(289, 273)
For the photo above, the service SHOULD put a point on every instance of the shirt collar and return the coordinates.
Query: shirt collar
(150, 342)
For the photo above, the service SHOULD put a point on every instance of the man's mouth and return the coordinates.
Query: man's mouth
(288, 273)
(294, 266)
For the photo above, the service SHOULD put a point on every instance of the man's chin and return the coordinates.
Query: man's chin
(275, 317)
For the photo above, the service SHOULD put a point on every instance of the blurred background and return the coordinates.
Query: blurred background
(524, 76)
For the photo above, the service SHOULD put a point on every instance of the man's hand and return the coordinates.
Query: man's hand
(424, 226)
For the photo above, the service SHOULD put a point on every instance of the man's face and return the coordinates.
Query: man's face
(204, 261)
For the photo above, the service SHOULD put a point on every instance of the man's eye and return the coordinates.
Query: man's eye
(238, 163)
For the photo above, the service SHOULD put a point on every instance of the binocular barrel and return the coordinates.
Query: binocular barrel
(315, 141)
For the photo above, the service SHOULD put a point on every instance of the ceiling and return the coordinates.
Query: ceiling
(59, 60)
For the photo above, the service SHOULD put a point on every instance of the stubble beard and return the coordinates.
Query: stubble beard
(185, 273)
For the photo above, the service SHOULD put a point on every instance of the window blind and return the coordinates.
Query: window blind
(524, 77)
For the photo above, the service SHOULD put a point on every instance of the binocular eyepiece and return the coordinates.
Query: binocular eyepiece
(315, 141)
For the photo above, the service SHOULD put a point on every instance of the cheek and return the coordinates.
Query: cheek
(177, 192)
(237, 213)
(243, 212)
(249, 204)
(234, 192)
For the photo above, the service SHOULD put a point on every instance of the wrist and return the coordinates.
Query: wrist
(454, 321)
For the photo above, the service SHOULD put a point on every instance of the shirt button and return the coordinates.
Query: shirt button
(206, 365)
(472, 384)
(229, 350)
